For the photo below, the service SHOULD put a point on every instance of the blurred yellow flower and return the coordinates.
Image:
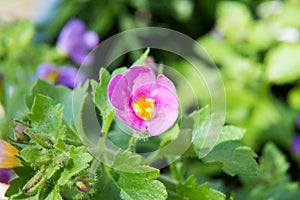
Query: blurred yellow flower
(8, 155)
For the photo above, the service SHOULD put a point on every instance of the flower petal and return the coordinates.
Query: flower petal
(5, 175)
(8, 155)
(163, 80)
(70, 77)
(166, 107)
(90, 39)
(7, 149)
(138, 76)
(44, 69)
(70, 35)
(112, 84)
(118, 93)
(296, 144)
(132, 120)
(9, 162)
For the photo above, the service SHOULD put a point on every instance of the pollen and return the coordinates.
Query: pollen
(144, 108)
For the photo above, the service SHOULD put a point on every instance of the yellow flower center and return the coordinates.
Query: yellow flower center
(53, 76)
(144, 108)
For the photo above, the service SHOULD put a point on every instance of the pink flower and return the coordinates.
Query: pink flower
(144, 102)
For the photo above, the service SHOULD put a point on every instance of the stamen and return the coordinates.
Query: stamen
(144, 108)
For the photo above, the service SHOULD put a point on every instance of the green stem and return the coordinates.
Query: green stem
(94, 166)
(81, 134)
(170, 184)
(174, 170)
(132, 143)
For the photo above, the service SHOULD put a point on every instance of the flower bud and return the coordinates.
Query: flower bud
(42, 140)
(20, 135)
(35, 183)
(85, 184)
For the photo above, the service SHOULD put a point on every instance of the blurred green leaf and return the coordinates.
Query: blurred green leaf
(294, 98)
(272, 180)
(239, 17)
(273, 165)
(142, 58)
(282, 64)
(15, 37)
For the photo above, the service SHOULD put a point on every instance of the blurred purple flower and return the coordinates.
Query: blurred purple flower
(144, 102)
(75, 41)
(66, 75)
(5, 175)
(296, 144)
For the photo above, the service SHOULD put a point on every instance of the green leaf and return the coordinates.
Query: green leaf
(16, 184)
(134, 173)
(60, 95)
(134, 187)
(54, 195)
(190, 190)
(46, 117)
(203, 122)
(79, 97)
(231, 133)
(101, 100)
(80, 161)
(31, 154)
(125, 161)
(234, 157)
(120, 70)
(106, 184)
(198, 121)
(60, 145)
(142, 58)
(283, 64)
